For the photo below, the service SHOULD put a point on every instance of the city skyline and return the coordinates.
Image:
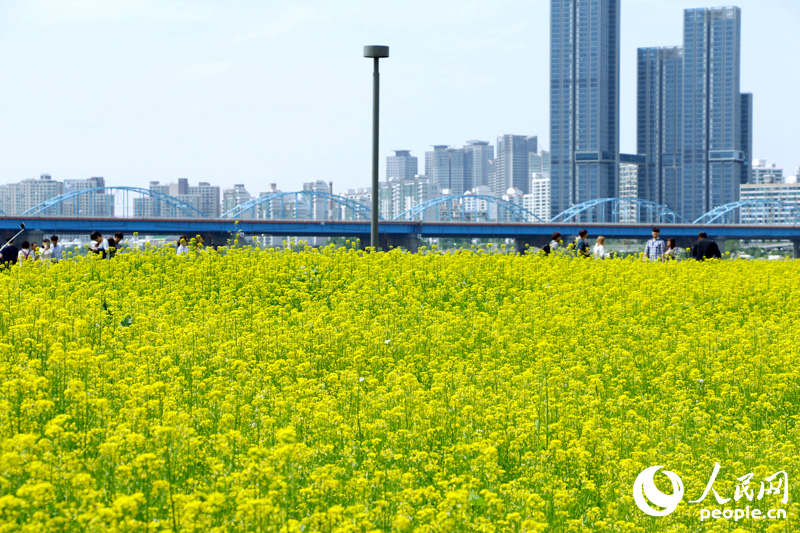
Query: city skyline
(76, 130)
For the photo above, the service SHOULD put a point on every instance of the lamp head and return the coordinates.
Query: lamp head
(376, 51)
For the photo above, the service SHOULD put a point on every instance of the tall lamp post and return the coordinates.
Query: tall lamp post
(376, 52)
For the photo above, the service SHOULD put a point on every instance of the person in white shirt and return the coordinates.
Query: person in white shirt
(46, 253)
(58, 250)
(99, 245)
(599, 250)
(183, 245)
(554, 244)
(25, 253)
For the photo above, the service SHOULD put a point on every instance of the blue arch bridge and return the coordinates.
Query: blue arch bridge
(321, 214)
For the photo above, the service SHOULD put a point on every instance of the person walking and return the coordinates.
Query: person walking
(554, 244)
(599, 250)
(58, 250)
(705, 248)
(582, 244)
(673, 253)
(655, 247)
(46, 255)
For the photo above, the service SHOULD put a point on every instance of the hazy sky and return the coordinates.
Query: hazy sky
(257, 91)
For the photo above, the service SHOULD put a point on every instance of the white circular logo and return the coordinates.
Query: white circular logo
(645, 491)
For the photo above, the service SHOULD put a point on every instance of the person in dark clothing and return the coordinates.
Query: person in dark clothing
(116, 244)
(582, 244)
(554, 244)
(9, 255)
(98, 245)
(705, 248)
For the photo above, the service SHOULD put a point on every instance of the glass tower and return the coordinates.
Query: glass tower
(713, 155)
(511, 163)
(584, 102)
(747, 136)
(658, 135)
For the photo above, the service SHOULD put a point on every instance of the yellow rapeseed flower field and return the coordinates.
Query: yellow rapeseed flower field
(342, 390)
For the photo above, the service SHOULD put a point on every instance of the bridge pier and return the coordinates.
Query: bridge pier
(796, 248)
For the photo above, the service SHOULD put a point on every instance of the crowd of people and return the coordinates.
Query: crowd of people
(50, 251)
(656, 249)
(105, 248)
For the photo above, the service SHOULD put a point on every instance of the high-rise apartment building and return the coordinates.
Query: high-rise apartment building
(402, 165)
(447, 167)
(208, 200)
(363, 195)
(694, 127)
(628, 188)
(764, 173)
(398, 196)
(511, 164)
(203, 197)
(714, 158)
(437, 165)
(659, 123)
(459, 180)
(479, 155)
(747, 135)
(584, 102)
(231, 198)
(19, 197)
(91, 202)
(538, 199)
(321, 207)
(775, 203)
(539, 164)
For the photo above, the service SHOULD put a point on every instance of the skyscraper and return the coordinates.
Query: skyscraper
(458, 181)
(437, 165)
(402, 165)
(747, 136)
(584, 101)
(713, 155)
(511, 164)
(539, 165)
(658, 132)
(447, 167)
(478, 156)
